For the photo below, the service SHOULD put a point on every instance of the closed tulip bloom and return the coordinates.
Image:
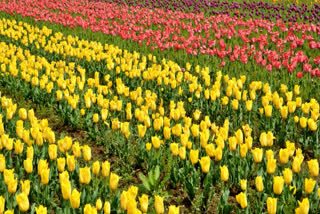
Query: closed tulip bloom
(271, 165)
(12, 185)
(23, 114)
(205, 164)
(284, 156)
(309, 185)
(174, 148)
(95, 118)
(243, 184)
(86, 151)
(64, 176)
(259, 183)
(158, 204)
(23, 202)
(272, 205)
(124, 200)
(263, 139)
(235, 104)
(61, 162)
(242, 200)
(194, 156)
(105, 169)
(30, 152)
(76, 150)
(88, 209)
(232, 143)
(96, 167)
(25, 186)
(313, 166)
(2, 203)
(278, 184)
(257, 155)
(144, 201)
(312, 124)
(319, 193)
(173, 209)
(2, 163)
(84, 175)
(287, 175)
(167, 133)
(243, 150)
(66, 189)
(224, 173)
(42, 164)
(52, 150)
(114, 179)
(41, 210)
(107, 207)
(284, 112)
(195, 130)
(45, 176)
(155, 142)
(303, 207)
(249, 105)
(182, 153)
(292, 106)
(75, 199)
(99, 204)
(296, 164)
(239, 136)
(142, 130)
(303, 122)
(269, 154)
(210, 149)
(18, 147)
(71, 163)
(218, 154)
(268, 110)
(28, 165)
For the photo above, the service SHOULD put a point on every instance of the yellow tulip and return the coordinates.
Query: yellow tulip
(284, 156)
(292, 106)
(271, 165)
(194, 156)
(182, 153)
(30, 152)
(158, 204)
(284, 112)
(28, 165)
(239, 136)
(114, 179)
(174, 148)
(309, 185)
(259, 183)
(303, 122)
(41, 210)
(195, 130)
(144, 203)
(196, 115)
(99, 204)
(272, 205)
(71, 163)
(23, 202)
(105, 169)
(287, 175)
(84, 175)
(23, 114)
(61, 162)
(313, 166)
(12, 185)
(257, 155)
(249, 105)
(65, 189)
(205, 164)
(45, 176)
(18, 147)
(96, 167)
(142, 130)
(243, 184)
(107, 207)
(312, 124)
(232, 143)
(2, 163)
(319, 193)
(268, 110)
(224, 173)
(42, 164)
(25, 186)
(218, 154)
(303, 207)
(243, 150)
(75, 199)
(2, 203)
(95, 118)
(235, 104)
(88, 209)
(296, 163)
(52, 150)
(148, 146)
(173, 209)
(305, 107)
(242, 200)
(86, 151)
(278, 184)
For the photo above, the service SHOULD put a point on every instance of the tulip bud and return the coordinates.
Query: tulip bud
(259, 183)
(284, 156)
(158, 204)
(41, 210)
(313, 166)
(61, 162)
(287, 175)
(84, 175)
(105, 169)
(2, 203)
(23, 202)
(99, 204)
(107, 207)
(113, 183)
(309, 185)
(194, 154)
(224, 173)
(205, 164)
(257, 155)
(242, 200)
(243, 184)
(28, 165)
(75, 199)
(144, 203)
(96, 167)
(272, 205)
(173, 209)
(303, 206)
(278, 184)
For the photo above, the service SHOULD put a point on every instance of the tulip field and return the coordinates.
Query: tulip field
(136, 106)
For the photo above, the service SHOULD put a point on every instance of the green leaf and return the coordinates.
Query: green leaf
(145, 181)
